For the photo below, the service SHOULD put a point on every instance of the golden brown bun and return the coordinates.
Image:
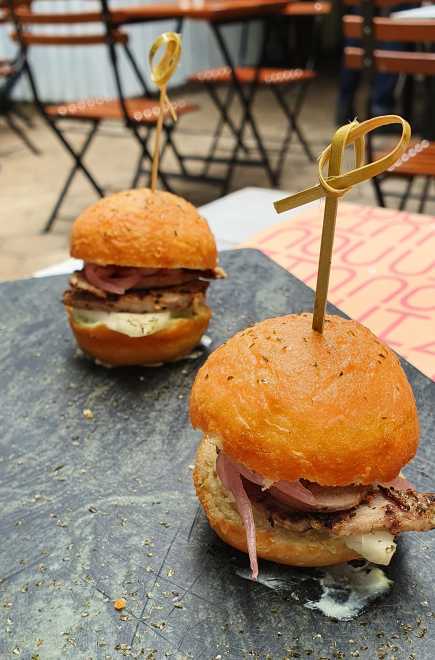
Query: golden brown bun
(115, 349)
(291, 403)
(274, 543)
(144, 229)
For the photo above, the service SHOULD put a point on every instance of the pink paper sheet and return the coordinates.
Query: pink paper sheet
(383, 271)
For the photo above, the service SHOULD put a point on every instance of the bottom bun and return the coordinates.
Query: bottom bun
(276, 543)
(116, 349)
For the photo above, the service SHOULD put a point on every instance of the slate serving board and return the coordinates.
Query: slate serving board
(97, 509)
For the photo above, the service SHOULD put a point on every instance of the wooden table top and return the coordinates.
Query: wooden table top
(205, 10)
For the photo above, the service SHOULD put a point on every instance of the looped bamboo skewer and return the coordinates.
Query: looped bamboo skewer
(161, 73)
(336, 185)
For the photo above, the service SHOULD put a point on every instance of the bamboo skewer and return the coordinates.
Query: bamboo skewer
(336, 185)
(161, 73)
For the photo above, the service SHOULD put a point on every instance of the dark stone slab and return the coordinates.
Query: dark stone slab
(95, 509)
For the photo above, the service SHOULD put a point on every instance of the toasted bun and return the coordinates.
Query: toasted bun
(290, 403)
(115, 349)
(275, 543)
(144, 229)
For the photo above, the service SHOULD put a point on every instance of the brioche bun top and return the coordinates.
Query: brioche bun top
(289, 403)
(144, 229)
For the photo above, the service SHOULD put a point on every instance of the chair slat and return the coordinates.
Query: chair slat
(391, 61)
(29, 38)
(27, 17)
(383, 4)
(387, 29)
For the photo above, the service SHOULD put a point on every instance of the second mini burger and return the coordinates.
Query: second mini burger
(140, 298)
(305, 436)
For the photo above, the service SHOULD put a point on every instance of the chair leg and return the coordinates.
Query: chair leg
(224, 119)
(213, 147)
(223, 108)
(77, 157)
(162, 176)
(292, 116)
(22, 115)
(63, 192)
(306, 147)
(139, 170)
(168, 128)
(378, 192)
(406, 193)
(425, 194)
(246, 100)
(145, 155)
(288, 137)
(21, 134)
(283, 151)
(296, 112)
(78, 165)
(136, 70)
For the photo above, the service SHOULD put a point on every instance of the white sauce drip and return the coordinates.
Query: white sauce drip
(347, 590)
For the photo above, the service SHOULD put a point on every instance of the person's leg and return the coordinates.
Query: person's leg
(384, 101)
(349, 82)
(348, 86)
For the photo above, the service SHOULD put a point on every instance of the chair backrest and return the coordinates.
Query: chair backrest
(373, 54)
(28, 24)
(99, 29)
(11, 68)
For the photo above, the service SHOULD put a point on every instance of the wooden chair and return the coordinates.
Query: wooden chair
(280, 81)
(419, 160)
(11, 71)
(139, 115)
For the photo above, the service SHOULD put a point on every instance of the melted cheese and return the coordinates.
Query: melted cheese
(132, 325)
(377, 547)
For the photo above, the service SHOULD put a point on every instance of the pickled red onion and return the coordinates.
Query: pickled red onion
(327, 498)
(113, 279)
(297, 491)
(292, 488)
(250, 475)
(230, 477)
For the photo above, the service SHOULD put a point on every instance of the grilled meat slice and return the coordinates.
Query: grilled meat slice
(139, 301)
(162, 278)
(386, 509)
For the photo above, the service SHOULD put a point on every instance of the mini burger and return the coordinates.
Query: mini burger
(140, 298)
(305, 436)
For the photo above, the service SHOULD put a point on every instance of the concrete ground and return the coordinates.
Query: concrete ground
(30, 184)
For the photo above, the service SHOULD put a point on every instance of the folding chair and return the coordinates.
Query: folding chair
(10, 73)
(419, 159)
(246, 80)
(139, 115)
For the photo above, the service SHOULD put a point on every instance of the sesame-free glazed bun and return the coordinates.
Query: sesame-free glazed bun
(275, 543)
(290, 403)
(115, 349)
(144, 229)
